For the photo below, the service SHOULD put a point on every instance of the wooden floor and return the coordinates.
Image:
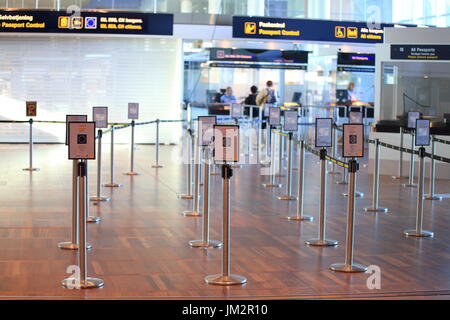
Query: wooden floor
(140, 248)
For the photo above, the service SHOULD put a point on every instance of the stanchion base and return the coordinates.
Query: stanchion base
(93, 219)
(157, 166)
(185, 197)
(113, 185)
(221, 280)
(72, 246)
(357, 194)
(321, 243)
(236, 166)
(433, 198)
(89, 283)
(215, 174)
(191, 214)
(302, 218)
(101, 198)
(408, 185)
(287, 198)
(280, 175)
(343, 183)
(376, 210)
(415, 234)
(202, 244)
(132, 174)
(353, 268)
(270, 185)
(31, 169)
(398, 178)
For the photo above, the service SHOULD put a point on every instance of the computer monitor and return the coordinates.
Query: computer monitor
(342, 97)
(296, 97)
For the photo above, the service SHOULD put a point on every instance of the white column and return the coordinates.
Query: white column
(186, 6)
(214, 6)
(255, 7)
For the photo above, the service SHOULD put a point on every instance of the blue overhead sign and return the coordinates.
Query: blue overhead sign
(86, 22)
(306, 30)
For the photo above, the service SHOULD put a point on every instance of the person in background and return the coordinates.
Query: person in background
(228, 97)
(352, 95)
(251, 101)
(267, 95)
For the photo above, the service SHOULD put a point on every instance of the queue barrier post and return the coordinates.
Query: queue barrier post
(419, 232)
(272, 184)
(84, 282)
(322, 241)
(432, 196)
(301, 187)
(226, 278)
(73, 244)
(195, 211)
(112, 184)
(376, 182)
(289, 196)
(157, 165)
(335, 150)
(349, 266)
(400, 164)
(132, 173)
(30, 144)
(188, 194)
(411, 183)
(89, 218)
(99, 196)
(279, 171)
(206, 242)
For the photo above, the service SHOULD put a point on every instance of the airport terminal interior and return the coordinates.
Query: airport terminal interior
(224, 149)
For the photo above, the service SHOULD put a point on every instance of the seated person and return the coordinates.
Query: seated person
(228, 96)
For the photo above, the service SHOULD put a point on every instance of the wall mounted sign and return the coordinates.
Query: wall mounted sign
(356, 59)
(422, 132)
(353, 138)
(100, 117)
(324, 132)
(258, 66)
(206, 129)
(420, 52)
(412, 118)
(274, 116)
(86, 22)
(82, 140)
(290, 120)
(31, 108)
(226, 143)
(133, 111)
(73, 118)
(307, 30)
(258, 55)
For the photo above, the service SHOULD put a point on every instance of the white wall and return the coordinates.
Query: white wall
(70, 75)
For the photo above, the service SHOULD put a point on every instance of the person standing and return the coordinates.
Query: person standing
(266, 96)
(228, 97)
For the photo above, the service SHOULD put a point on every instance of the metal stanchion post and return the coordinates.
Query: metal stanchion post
(157, 165)
(132, 173)
(432, 195)
(322, 241)
(349, 266)
(30, 144)
(99, 196)
(112, 184)
(226, 278)
(195, 211)
(188, 195)
(272, 184)
(400, 164)
(301, 186)
(288, 196)
(411, 183)
(206, 242)
(84, 282)
(279, 172)
(73, 245)
(89, 218)
(418, 232)
(376, 182)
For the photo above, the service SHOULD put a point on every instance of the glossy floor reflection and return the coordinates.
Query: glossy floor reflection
(140, 248)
